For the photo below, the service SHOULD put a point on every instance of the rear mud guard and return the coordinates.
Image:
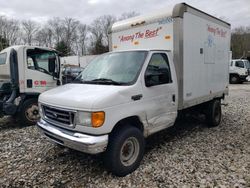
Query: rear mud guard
(1, 109)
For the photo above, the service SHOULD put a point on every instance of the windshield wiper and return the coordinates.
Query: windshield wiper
(105, 81)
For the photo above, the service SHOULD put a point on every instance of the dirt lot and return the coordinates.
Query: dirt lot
(188, 154)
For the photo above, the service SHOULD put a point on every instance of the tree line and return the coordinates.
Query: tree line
(71, 37)
(67, 35)
(240, 42)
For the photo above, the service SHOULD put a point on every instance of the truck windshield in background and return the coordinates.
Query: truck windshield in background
(247, 63)
(120, 68)
(3, 57)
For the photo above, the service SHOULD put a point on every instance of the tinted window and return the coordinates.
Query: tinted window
(158, 70)
(3, 57)
(239, 64)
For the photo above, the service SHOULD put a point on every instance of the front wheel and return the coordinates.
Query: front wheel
(234, 79)
(125, 150)
(29, 112)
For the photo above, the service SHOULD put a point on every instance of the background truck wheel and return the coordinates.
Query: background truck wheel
(213, 114)
(125, 150)
(29, 112)
(234, 79)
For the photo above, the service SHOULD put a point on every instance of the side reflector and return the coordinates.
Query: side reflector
(136, 43)
(167, 37)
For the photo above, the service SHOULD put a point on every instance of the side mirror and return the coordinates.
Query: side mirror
(52, 64)
(152, 79)
(149, 80)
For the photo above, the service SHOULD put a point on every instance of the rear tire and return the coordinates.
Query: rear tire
(125, 150)
(213, 114)
(29, 112)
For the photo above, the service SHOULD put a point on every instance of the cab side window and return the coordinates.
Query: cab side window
(39, 60)
(239, 64)
(158, 70)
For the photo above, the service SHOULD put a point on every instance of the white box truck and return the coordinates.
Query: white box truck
(25, 72)
(160, 65)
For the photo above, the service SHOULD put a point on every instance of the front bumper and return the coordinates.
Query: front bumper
(243, 77)
(78, 141)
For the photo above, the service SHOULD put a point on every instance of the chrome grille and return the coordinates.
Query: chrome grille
(58, 116)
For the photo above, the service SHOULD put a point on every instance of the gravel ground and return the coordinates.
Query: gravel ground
(187, 155)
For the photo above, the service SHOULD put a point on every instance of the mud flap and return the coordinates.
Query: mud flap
(9, 109)
(1, 109)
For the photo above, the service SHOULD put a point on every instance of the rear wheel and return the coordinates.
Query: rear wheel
(125, 150)
(29, 112)
(213, 114)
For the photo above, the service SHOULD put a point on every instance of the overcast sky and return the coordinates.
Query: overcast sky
(236, 12)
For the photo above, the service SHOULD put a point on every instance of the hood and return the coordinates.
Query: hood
(88, 96)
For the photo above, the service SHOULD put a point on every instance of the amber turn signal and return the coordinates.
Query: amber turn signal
(97, 119)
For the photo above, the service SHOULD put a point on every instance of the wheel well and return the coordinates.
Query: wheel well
(25, 97)
(29, 96)
(133, 121)
(233, 74)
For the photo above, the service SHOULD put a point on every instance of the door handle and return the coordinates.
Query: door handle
(136, 97)
(173, 97)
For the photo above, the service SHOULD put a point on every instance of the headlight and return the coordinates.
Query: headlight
(83, 118)
(90, 119)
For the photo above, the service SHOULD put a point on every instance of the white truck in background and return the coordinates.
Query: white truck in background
(239, 70)
(25, 72)
(160, 65)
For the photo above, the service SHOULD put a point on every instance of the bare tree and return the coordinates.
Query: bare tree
(99, 32)
(68, 33)
(127, 15)
(9, 29)
(44, 37)
(70, 26)
(240, 41)
(30, 28)
(56, 26)
(82, 37)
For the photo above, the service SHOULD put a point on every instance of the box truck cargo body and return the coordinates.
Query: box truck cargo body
(159, 66)
(200, 45)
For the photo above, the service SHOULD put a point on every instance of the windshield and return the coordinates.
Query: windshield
(247, 63)
(3, 58)
(119, 68)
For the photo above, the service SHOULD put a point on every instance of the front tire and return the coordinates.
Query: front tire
(29, 112)
(234, 79)
(125, 150)
(213, 114)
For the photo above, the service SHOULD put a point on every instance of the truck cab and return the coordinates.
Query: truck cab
(25, 72)
(239, 70)
(133, 89)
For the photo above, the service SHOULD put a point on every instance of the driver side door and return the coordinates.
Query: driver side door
(159, 93)
(37, 76)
